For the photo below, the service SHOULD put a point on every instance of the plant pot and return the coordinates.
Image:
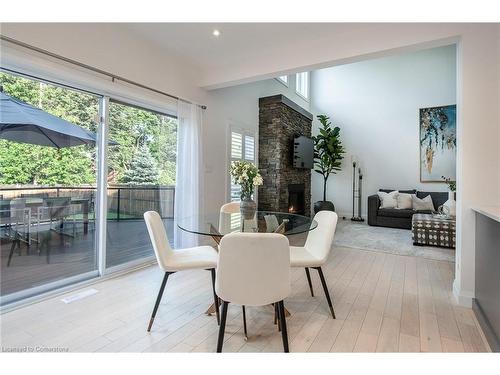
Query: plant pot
(247, 208)
(323, 206)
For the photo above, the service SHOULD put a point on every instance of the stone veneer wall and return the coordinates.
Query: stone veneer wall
(280, 120)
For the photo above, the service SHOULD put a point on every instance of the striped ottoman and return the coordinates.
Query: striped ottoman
(427, 229)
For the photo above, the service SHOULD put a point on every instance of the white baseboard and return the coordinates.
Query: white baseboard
(462, 298)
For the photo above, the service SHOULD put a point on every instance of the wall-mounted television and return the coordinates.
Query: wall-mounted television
(303, 152)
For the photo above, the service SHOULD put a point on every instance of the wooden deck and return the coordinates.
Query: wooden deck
(69, 256)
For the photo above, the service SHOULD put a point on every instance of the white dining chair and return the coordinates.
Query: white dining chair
(253, 270)
(227, 211)
(315, 251)
(171, 261)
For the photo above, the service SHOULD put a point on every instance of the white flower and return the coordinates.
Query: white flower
(257, 181)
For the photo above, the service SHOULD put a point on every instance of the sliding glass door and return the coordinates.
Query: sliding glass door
(47, 188)
(141, 177)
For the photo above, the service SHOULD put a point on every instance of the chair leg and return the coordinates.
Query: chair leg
(158, 299)
(277, 316)
(222, 327)
(216, 299)
(325, 288)
(244, 322)
(282, 321)
(309, 281)
(14, 242)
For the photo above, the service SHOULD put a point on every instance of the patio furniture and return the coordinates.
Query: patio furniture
(433, 230)
(170, 261)
(316, 250)
(15, 219)
(253, 270)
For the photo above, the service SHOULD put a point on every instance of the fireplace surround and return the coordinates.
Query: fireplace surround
(280, 121)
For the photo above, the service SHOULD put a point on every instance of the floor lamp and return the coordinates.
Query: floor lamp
(356, 192)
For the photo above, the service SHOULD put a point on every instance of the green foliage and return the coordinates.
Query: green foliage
(142, 169)
(131, 127)
(328, 150)
(452, 185)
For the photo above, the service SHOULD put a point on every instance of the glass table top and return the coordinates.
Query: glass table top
(219, 224)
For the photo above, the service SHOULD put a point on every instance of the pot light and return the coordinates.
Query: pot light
(216, 33)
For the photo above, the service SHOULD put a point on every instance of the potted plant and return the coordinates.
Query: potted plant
(247, 176)
(328, 155)
(450, 203)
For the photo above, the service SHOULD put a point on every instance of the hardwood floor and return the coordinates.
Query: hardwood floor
(383, 303)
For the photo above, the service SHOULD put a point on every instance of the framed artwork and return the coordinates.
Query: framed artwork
(438, 143)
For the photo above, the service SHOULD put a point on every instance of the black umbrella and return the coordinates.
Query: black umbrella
(21, 122)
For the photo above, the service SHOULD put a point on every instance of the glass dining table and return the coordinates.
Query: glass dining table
(217, 225)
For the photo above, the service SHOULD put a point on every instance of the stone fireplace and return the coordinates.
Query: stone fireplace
(285, 188)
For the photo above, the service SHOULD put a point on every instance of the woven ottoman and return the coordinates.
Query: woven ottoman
(430, 230)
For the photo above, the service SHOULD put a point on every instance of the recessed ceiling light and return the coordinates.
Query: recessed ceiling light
(216, 33)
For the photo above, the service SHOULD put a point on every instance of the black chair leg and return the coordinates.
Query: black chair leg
(325, 288)
(244, 322)
(277, 316)
(222, 327)
(282, 321)
(14, 243)
(309, 281)
(216, 299)
(158, 299)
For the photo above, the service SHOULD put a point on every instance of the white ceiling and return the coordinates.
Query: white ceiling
(239, 44)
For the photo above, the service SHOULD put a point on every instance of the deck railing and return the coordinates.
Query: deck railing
(125, 202)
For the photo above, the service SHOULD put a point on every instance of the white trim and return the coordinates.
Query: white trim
(462, 298)
(287, 83)
(102, 184)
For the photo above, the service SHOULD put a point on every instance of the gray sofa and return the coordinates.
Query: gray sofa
(399, 218)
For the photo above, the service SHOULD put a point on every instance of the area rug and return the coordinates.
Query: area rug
(389, 240)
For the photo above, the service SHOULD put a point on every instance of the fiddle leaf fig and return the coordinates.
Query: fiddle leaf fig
(328, 150)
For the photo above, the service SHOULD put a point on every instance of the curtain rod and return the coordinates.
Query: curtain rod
(113, 77)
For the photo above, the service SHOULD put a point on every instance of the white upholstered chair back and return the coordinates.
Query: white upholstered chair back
(159, 238)
(225, 216)
(253, 268)
(319, 241)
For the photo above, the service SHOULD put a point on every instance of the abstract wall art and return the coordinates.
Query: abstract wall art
(438, 143)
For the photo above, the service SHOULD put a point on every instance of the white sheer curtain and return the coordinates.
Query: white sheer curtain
(189, 181)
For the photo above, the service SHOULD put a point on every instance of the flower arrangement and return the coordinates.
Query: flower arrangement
(452, 185)
(246, 175)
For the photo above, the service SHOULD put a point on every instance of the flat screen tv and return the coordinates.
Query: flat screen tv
(303, 152)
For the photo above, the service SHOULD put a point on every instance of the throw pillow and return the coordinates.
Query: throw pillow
(424, 204)
(404, 201)
(388, 200)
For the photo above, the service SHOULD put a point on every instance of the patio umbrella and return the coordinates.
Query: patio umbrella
(22, 122)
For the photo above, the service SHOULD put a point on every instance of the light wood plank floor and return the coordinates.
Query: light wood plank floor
(383, 302)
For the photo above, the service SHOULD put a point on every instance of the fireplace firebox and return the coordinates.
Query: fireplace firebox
(296, 199)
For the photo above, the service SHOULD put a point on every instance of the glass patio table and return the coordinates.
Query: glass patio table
(218, 224)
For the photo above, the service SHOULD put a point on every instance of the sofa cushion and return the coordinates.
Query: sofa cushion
(394, 212)
(438, 197)
(388, 200)
(425, 203)
(411, 191)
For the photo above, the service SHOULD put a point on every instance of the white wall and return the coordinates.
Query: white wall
(237, 106)
(376, 104)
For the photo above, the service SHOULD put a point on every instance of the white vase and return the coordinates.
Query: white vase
(451, 204)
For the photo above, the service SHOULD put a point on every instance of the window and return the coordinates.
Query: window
(47, 195)
(283, 79)
(242, 147)
(141, 177)
(302, 84)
